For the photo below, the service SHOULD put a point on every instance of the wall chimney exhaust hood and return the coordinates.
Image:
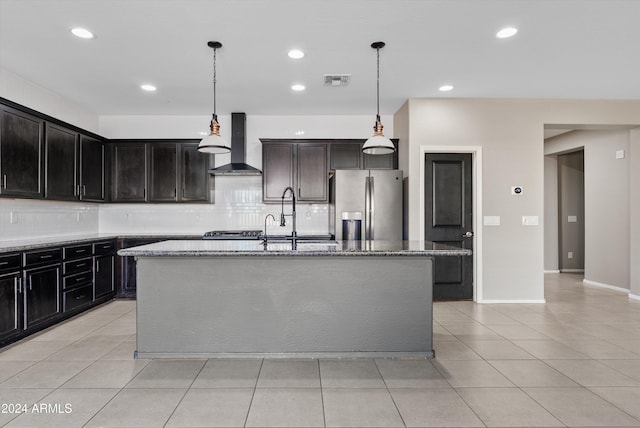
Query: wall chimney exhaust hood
(238, 150)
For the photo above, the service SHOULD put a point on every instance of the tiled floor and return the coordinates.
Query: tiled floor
(574, 361)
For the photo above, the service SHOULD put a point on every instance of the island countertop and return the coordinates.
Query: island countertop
(200, 248)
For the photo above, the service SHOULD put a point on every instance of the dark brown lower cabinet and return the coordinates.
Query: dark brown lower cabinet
(103, 276)
(127, 266)
(41, 295)
(10, 306)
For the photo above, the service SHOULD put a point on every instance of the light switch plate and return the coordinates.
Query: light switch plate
(492, 220)
(529, 220)
(619, 154)
(572, 219)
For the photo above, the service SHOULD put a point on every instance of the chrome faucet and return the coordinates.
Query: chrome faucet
(264, 237)
(294, 233)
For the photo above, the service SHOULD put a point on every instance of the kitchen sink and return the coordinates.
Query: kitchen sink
(311, 245)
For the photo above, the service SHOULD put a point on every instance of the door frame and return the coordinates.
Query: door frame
(476, 189)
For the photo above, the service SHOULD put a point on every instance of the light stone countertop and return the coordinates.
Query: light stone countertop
(200, 248)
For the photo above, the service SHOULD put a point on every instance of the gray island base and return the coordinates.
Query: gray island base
(199, 299)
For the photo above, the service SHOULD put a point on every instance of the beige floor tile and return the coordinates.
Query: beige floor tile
(549, 350)
(212, 408)
(289, 374)
(123, 351)
(65, 409)
(498, 350)
(457, 350)
(11, 368)
(579, 407)
(167, 374)
(138, 408)
(629, 368)
(518, 332)
(410, 374)
(45, 374)
(532, 373)
(18, 401)
(601, 349)
(223, 373)
(30, 350)
(350, 374)
(624, 398)
(591, 373)
(106, 374)
(82, 351)
(434, 407)
(507, 407)
(471, 374)
(286, 407)
(360, 407)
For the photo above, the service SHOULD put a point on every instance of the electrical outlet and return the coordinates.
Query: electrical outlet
(570, 255)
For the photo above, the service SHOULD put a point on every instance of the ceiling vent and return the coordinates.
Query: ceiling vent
(336, 79)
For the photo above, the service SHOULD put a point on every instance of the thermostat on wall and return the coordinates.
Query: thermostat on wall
(517, 190)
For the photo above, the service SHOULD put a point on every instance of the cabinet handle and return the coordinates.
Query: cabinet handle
(80, 297)
(80, 251)
(4, 181)
(47, 256)
(84, 190)
(79, 279)
(4, 263)
(19, 285)
(97, 266)
(30, 283)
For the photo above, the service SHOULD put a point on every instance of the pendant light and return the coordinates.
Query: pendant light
(378, 144)
(214, 143)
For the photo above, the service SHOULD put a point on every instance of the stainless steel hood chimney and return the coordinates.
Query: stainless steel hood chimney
(238, 148)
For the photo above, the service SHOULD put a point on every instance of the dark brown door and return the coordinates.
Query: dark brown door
(448, 220)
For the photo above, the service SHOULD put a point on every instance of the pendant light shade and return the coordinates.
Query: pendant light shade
(214, 143)
(378, 144)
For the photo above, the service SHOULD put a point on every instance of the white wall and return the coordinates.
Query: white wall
(551, 256)
(21, 91)
(607, 203)
(634, 212)
(510, 133)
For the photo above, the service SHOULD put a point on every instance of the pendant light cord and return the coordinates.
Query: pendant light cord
(377, 82)
(214, 81)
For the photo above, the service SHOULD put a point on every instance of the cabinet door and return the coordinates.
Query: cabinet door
(346, 156)
(9, 306)
(129, 172)
(103, 276)
(42, 295)
(20, 154)
(194, 174)
(92, 169)
(313, 179)
(277, 170)
(163, 172)
(61, 154)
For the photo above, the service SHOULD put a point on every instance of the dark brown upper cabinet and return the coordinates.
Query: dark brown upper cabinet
(93, 169)
(129, 172)
(61, 170)
(348, 155)
(21, 154)
(159, 171)
(302, 166)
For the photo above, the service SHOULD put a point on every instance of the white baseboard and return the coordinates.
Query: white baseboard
(515, 301)
(602, 285)
(552, 271)
(633, 297)
(571, 270)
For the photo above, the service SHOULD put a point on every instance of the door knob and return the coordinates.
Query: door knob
(468, 235)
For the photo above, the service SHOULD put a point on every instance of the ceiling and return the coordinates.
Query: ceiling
(581, 49)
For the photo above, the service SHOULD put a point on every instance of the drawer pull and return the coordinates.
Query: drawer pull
(48, 256)
(4, 263)
(105, 247)
(80, 297)
(80, 251)
(79, 279)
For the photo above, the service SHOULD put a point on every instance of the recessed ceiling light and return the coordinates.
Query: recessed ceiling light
(296, 54)
(83, 33)
(147, 87)
(298, 87)
(445, 88)
(506, 32)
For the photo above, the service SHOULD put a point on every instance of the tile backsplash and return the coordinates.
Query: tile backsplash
(238, 205)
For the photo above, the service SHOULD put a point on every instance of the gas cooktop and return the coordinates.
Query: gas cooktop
(232, 234)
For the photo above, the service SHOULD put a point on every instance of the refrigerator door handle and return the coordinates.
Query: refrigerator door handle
(372, 208)
(367, 208)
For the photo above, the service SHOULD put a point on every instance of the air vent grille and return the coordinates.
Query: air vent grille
(336, 79)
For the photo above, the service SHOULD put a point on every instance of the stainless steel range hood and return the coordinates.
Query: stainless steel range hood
(238, 148)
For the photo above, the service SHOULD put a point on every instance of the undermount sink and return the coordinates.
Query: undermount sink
(280, 245)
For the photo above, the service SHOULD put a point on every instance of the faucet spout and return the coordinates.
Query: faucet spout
(294, 232)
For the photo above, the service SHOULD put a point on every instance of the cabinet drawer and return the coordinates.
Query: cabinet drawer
(76, 266)
(35, 258)
(104, 248)
(76, 251)
(76, 298)
(10, 262)
(75, 280)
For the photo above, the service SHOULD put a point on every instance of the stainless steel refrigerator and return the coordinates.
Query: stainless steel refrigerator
(367, 204)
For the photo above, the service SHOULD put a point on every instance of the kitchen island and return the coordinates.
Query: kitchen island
(202, 299)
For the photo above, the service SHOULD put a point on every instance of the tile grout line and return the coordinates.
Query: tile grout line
(324, 416)
(185, 392)
(246, 418)
(389, 392)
